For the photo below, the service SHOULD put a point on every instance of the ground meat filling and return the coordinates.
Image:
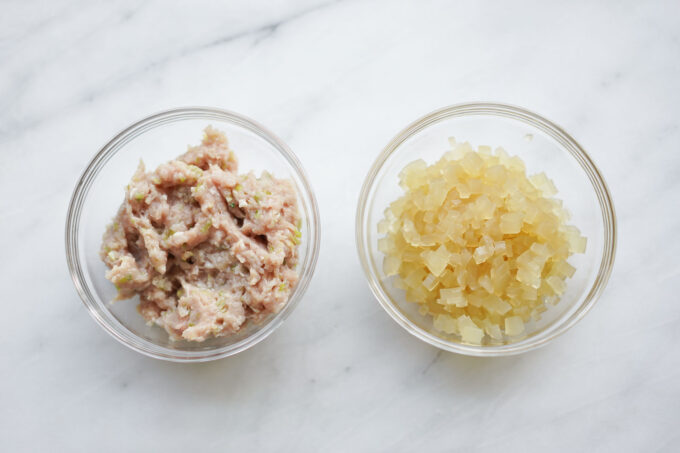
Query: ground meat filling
(206, 249)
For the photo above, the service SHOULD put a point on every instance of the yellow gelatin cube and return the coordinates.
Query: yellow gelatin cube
(401, 206)
(557, 284)
(577, 243)
(484, 207)
(437, 260)
(501, 307)
(400, 284)
(492, 330)
(485, 282)
(529, 277)
(511, 223)
(472, 164)
(541, 250)
(472, 335)
(484, 150)
(415, 278)
(437, 194)
(386, 245)
(411, 176)
(446, 324)
(391, 265)
(495, 174)
(469, 331)
(430, 282)
(562, 269)
(516, 164)
(482, 253)
(514, 326)
(452, 296)
(383, 226)
(544, 184)
(464, 191)
(500, 248)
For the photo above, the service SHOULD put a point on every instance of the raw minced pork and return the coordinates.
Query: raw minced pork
(206, 249)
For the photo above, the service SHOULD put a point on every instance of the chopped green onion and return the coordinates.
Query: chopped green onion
(196, 170)
(125, 279)
(205, 228)
(139, 196)
(156, 180)
(232, 204)
(182, 179)
(238, 187)
(298, 233)
(191, 324)
(282, 286)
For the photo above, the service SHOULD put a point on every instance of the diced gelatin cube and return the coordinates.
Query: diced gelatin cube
(386, 245)
(472, 164)
(563, 269)
(411, 175)
(469, 331)
(391, 265)
(482, 253)
(544, 184)
(557, 284)
(472, 335)
(452, 296)
(514, 326)
(415, 278)
(437, 194)
(495, 174)
(430, 282)
(485, 282)
(446, 324)
(529, 277)
(511, 223)
(437, 260)
(493, 331)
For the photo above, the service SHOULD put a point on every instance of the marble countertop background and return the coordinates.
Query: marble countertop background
(336, 80)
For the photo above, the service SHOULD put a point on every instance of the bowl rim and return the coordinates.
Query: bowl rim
(568, 143)
(102, 316)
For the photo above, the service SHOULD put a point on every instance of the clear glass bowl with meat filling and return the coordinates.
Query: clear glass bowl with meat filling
(200, 212)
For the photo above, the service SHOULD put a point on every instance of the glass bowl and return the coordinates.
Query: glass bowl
(99, 193)
(543, 146)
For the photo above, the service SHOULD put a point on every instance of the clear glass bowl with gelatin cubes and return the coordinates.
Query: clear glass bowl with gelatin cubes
(431, 248)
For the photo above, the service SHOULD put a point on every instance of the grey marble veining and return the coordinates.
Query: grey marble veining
(336, 80)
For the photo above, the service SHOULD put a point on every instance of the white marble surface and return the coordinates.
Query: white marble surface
(336, 80)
